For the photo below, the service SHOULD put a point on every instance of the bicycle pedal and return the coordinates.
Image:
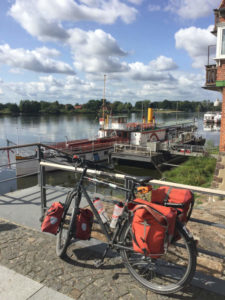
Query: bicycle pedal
(98, 263)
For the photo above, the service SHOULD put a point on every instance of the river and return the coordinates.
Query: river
(34, 129)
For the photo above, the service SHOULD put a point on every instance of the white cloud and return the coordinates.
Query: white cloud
(1, 91)
(163, 63)
(195, 41)
(142, 72)
(157, 86)
(29, 16)
(15, 71)
(43, 19)
(153, 8)
(48, 52)
(136, 2)
(93, 51)
(37, 60)
(192, 9)
(49, 88)
(185, 86)
(96, 51)
(156, 70)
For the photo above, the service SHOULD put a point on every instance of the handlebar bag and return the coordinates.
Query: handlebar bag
(153, 228)
(166, 194)
(84, 224)
(52, 218)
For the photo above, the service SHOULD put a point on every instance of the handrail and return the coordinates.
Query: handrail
(196, 189)
(21, 146)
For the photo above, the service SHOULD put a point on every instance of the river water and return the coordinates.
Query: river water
(34, 129)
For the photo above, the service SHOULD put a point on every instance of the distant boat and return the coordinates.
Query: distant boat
(212, 117)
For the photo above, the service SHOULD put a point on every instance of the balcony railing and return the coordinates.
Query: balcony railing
(211, 72)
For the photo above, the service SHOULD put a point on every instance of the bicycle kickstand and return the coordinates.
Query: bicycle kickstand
(99, 262)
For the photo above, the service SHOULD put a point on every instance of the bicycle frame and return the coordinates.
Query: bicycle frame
(111, 236)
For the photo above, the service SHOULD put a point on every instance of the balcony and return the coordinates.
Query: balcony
(211, 72)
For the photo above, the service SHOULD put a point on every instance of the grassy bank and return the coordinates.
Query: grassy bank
(196, 171)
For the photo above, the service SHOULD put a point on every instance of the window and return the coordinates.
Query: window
(96, 157)
(220, 49)
(223, 42)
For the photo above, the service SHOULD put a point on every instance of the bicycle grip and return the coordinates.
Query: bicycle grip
(175, 205)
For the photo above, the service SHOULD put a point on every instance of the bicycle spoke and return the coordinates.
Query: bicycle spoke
(166, 274)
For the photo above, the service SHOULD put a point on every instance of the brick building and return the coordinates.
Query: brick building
(215, 73)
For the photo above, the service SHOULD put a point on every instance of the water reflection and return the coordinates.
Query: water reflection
(7, 186)
(211, 127)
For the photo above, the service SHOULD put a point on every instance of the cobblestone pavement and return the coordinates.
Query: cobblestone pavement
(32, 253)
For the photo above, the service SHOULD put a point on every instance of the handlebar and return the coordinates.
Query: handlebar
(81, 162)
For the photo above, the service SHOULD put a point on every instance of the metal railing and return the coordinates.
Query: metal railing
(211, 75)
(186, 148)
(146, 151)
(35, 157)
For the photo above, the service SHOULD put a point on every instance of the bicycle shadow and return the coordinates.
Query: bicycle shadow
(7, 226)
(85, 256)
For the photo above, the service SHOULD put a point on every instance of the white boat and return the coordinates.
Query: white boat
(212, 117)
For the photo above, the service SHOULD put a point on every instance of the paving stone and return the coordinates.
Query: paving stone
(32, 253)
(75, 293)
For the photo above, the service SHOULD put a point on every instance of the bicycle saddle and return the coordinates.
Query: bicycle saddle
(142, 179)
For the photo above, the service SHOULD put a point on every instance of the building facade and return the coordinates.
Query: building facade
(215, 73)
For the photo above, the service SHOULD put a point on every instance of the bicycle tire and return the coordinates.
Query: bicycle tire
(178, 272)
(65, 228)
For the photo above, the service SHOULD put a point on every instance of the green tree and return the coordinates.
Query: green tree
(27, 106)
(13, 108)
(69, 107)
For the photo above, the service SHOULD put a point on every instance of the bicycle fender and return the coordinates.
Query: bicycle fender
(189, 236)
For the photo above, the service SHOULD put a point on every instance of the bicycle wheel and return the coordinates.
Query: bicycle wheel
(167, 274)
(65, 228)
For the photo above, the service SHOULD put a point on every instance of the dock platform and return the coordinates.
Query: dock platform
(145, 154)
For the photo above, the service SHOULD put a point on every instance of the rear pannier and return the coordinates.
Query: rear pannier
(184, 197)
(152, 228)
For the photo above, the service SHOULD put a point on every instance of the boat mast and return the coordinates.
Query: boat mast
(103, 106)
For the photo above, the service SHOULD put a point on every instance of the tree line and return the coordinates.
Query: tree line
(44, 107)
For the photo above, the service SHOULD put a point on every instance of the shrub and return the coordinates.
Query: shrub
(195, 171)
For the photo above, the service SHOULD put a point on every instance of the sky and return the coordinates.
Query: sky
(60, 50)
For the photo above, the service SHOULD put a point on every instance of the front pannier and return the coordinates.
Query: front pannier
(52, 218)
(152, 228)
(84, 224)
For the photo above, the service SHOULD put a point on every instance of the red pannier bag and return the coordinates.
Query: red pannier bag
(153, 227)
(166, 194)
(84, 224)
(52, 218)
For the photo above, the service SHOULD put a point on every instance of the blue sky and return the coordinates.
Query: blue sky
(61, 49)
